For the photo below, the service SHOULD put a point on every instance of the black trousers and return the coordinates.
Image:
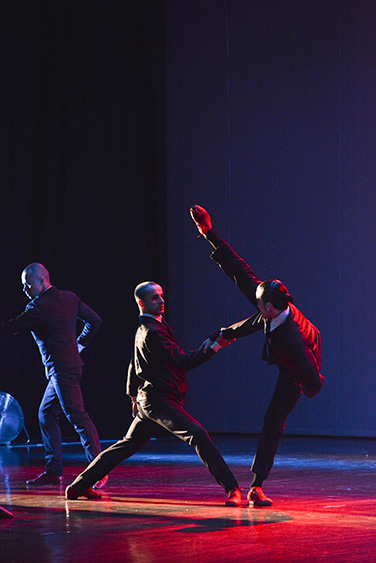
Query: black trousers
(285, 397)
(152, 414)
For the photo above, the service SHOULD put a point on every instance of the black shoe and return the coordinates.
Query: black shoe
(46, 479)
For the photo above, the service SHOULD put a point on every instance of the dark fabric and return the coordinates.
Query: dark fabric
(294, 347)
(158, 371)
(285, 397)
(154, 413)
(158, 362)
(236, 269)
(52, 320)
(63, 395)
(83, 174)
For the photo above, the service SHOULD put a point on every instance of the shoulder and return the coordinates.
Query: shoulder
(299, 328)
(67, 293)
(62, 295)
(300, 319)
(57, 301)
(150, 331)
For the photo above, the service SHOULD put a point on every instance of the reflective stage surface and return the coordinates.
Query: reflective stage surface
(162, 505)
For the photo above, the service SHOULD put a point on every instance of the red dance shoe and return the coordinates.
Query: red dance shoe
(202, 219)
(234, 497)
(90, 494)
(101, 483)
(256, 497)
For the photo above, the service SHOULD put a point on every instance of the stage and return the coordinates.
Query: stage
(163, 506)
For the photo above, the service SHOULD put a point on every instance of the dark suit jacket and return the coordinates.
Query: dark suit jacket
(158, 362)
(52, 320)
(294, 346)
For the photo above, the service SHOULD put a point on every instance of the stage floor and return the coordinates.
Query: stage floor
(163, 506)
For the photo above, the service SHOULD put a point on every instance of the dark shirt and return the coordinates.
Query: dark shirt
(52, 319)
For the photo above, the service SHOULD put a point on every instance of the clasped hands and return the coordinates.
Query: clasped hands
(219, 342)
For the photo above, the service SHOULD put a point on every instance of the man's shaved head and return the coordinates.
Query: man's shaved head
(36, 269)
(35, 279)
(143, 289)
(149, 298)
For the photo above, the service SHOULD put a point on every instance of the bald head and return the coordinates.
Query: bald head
(143, 289)
(35, 279)
(149, 298)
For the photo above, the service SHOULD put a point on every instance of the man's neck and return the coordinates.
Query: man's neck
(279, 319)
(157, 318)
(43, 291)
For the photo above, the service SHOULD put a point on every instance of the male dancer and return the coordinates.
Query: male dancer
(293, 344)
(157, 384)
(51, 316)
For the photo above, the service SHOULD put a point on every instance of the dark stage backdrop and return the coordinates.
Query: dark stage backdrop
(270, 124)
(118, 115)
(82, 122)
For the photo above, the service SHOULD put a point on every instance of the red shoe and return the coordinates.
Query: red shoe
(45, 479)
(234, 497)
(101, 483)
(202, 219)
(90, 494)
(256, 497)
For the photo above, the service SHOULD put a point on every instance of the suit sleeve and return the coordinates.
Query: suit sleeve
(237, 270)
(303, 362)
(161, 344)
(133, 381)
(92, 323)
(243, 328)
(29, 319)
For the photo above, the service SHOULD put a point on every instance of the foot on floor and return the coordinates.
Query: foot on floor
(256, 497)
(101, 483)
(90, 494)
(45, 479)
(234, 497)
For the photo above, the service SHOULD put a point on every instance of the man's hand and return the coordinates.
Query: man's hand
(219, 343)
(222, 342)
(206, 345)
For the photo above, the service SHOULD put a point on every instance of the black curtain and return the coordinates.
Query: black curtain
(82, 186)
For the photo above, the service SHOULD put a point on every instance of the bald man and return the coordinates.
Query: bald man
(156, 384)
(51, 317)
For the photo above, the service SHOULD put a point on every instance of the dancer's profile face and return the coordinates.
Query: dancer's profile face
(32, 284)
(153, 302)
(264, 308)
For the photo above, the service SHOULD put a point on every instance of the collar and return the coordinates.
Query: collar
(279, 319)
(158, 319)
(43, 292)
